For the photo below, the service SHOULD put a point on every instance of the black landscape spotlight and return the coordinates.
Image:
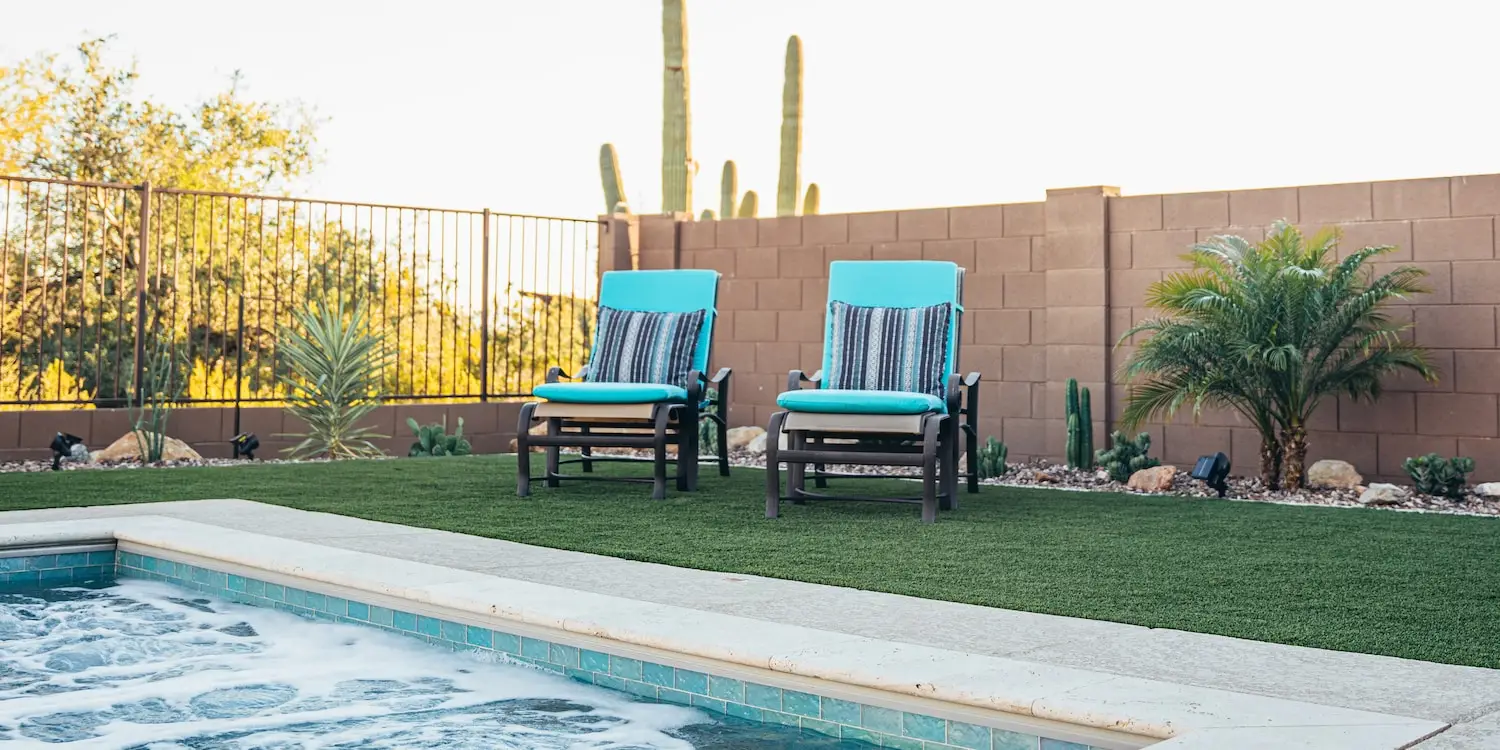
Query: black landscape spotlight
(244, 445)
(62, 446)
(1213, 471)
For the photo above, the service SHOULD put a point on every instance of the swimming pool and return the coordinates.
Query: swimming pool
(148, 666)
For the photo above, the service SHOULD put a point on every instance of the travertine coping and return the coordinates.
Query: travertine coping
(987, 689)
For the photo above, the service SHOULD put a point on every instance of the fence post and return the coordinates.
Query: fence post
(484, 314)
(142, 254)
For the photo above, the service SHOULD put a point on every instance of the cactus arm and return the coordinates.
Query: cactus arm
(676, 131)
(812, 203)
(789, 185)
(609, 174)
(750, 206)
(729, 189)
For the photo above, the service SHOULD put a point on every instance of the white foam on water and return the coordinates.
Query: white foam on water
(146, 665)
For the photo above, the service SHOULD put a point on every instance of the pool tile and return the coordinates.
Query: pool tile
(640, 688)
(1007, 740)
(784, 719)
(594, 661)
(902, 743)
(842, 712)
(726, 688)
(860, 735)
(382, 616)
(818, 726)
(53, 576)
(742, 711)
(296, 597)
(674, 696)
(630, 669)
(1051, 744)
(606, 681)
(550, 667)
(693, 682)
(358, 611)
(89, 573)
(238, 583)
(335, 606)
(970, 736)
(762, 696)
(505, 642)
(73, 560)
(12, 564)
(532, 648)
(455, 632)
(710, 704)
(923, 727)
(567, 656)
(883, 720)
(579, 675)
(660, 675)
(40, 562)
(404, 621)
(23, 578)
(315, 602)
(802, 704)
(473, 636)
(275, 592)
(104, 558)
(429, 626)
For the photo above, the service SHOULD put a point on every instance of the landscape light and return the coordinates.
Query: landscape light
(62, 447)
(1213, 471)
(244, 445)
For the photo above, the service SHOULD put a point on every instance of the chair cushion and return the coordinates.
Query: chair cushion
(609, 393)
(888, 348)
(843, 401)
(634, 346)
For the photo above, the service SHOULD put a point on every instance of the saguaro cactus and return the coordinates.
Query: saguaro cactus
(609, 173)
(677, 122)
(707, 215)
(810, 203)
(1079, 412)
(729, 189)
(750, 206)
(789, 186)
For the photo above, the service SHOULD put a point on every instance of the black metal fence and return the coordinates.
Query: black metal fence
(96, 277)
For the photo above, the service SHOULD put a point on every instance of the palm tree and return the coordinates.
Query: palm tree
(1269, 330)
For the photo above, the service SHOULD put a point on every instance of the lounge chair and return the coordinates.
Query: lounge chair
(644, 385)
(889, 392)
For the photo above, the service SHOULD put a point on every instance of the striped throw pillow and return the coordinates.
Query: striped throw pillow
(632, 346)
(889, 348)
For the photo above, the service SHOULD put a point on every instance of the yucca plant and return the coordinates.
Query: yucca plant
(1270, 330)
(334, 381)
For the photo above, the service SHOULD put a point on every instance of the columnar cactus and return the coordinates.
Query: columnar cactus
(676, 131)
(707, 215)
(1079, 412)
(789, 186)
(614, 183)
(750, 206)
(729, 189)
(810, 203)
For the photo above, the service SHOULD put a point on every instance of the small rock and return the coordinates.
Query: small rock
(1382, 494)
(128, 448)
(757, 445)
(1331, 474)
(1488, 489)
(539, 428)
(741, 437)
(79, 452)
(1154, 479)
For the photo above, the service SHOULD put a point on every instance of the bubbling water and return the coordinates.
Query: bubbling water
(146, 666)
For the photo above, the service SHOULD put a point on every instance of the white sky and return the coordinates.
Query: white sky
(908, 103)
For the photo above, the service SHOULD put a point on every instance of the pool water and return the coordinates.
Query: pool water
(146, 666)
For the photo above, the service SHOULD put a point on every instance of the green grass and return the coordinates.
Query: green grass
(1401, 584)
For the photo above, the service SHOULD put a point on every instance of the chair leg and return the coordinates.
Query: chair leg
(687, 448)
(971, 437)
(722, 423)
(930, 439)
(948, 465)
(659, 482)
(554, 427)
(773, 465)
(796, 482)
(588, 452)
(820, 480)
(523, 450)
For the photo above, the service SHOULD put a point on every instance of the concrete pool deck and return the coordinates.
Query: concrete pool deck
(1205, 691)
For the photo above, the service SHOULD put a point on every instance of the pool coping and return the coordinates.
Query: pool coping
(1100, 708)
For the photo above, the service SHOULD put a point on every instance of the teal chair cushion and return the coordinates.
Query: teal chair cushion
(610, 393)
(837, 401)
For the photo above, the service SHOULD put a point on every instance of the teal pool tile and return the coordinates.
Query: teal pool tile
(710, 704)
(361, 611)
(202, 575)
(73, 560)
(54, 576)
(818, 726)
(254, 587)
(564, 655)
(182, 572)
(801, 704)
(971, 736)
(149, 564)
(510, 644)
(88, 573)
(455, 632)
(550, 667)
(532, 648)
(593, 661)
(315, 601)
(607, 681)
(642, 689)
(727, 689)
(41, 562)
(923, 727)
(103, 558)
(472, 636)
(166, 568)
(579, 675)
(859, 735)
(762, 696)
(336, 606)
(12, 564)
(882, 720)
(692, 682)
(404, 621)
(1007, 740)
(23, 578)
(629, 669)
(842, 712)
(784, 719)
(1051, 744)
(660, 675)
(296, 597)
(238, 583)
(130, 559)
(429, 626)
(382, 616)
(674, 696)
(742, 711)
(901, 743)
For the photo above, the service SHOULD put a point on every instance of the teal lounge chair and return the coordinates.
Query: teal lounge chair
(644, 384)
(889, 392)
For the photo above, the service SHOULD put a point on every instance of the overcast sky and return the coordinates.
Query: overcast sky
(942, 102)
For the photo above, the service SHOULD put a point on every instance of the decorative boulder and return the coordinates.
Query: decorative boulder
(1330, 474)
(1488, 489)
(538, 429)
(741, 437)
(128, 448)
(1154, 479)
(757, 445)
(1382, 494)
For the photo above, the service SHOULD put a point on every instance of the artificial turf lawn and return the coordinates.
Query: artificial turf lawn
(1379, 582)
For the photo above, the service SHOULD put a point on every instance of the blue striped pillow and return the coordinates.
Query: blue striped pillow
(633, 346)
(889, 348)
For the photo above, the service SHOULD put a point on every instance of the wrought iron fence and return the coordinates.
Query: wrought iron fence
(96, 278)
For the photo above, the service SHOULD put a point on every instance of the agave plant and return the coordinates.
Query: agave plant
(334, 381)
(433, 440)
(1270, 330)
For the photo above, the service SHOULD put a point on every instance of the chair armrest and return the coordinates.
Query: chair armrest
(720, 376)
(695, 381)
(971, 380)
(556, 375)
(796, 378)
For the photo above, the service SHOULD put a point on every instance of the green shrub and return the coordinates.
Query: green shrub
(1126, 456)
(1435, 475)
(992, 459)
(433, 440)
